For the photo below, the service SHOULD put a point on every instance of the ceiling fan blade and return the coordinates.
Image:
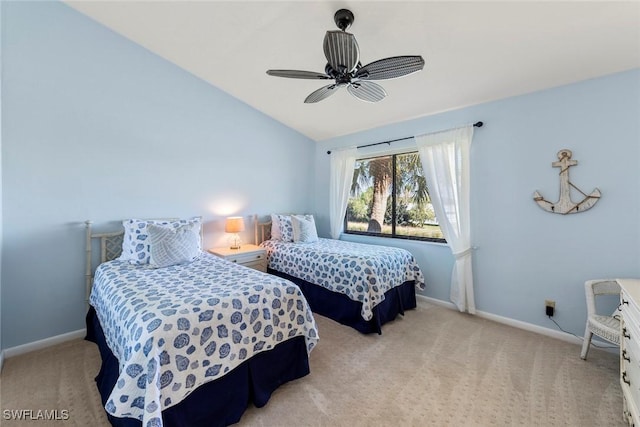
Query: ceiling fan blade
(297, 74)
(367, 91)
(322, 93)
(341, 50)
(390, 68)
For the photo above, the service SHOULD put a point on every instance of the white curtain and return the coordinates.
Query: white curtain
(445, 160)
(342, 164)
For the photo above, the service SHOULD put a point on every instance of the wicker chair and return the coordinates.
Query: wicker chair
(605, 327)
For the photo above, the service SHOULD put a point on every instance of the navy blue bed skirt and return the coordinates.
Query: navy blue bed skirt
(217, 403)
(346, 311)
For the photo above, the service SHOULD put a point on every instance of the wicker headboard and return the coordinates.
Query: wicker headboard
(262, 230)
(110, 249)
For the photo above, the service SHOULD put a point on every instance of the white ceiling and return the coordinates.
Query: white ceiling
(475, 51)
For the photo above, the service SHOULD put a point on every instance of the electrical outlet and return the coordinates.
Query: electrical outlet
(549, 307)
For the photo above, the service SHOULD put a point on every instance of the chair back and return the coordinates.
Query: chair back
(594, 288)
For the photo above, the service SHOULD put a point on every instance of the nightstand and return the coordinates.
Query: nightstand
(251, 256)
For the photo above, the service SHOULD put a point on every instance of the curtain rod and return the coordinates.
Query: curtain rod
(476, 125)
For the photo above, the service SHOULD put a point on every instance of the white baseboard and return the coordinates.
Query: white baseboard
(1, 359)
(40, 344)
(522, 325)
(434, 301)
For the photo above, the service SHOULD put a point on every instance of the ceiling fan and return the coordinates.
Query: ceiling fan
(343, 66)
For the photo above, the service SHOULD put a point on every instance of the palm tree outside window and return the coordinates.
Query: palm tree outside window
(389, 198)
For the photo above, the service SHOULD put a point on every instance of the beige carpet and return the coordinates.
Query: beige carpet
(434, 367)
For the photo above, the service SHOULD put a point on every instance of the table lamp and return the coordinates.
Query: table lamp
(234, 225)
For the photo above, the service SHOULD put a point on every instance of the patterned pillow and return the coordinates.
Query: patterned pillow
(170, 245)
(135, 247)
(304, 229)
(284, 226)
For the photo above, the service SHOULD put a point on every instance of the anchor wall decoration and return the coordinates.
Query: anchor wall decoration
(565, 205)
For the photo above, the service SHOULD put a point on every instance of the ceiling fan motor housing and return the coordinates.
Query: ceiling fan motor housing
(343, 19)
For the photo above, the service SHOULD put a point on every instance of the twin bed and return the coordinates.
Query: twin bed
(194, 340)
(358, 285)
(192, 344)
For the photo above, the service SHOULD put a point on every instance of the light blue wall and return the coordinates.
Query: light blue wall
(96, 127)
(526, 255)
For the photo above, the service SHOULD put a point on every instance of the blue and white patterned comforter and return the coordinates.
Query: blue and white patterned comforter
(176, 328)
(362, 272)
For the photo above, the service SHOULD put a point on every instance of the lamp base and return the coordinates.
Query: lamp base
(235, 242)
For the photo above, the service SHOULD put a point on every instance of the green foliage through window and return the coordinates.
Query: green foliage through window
(389, 198)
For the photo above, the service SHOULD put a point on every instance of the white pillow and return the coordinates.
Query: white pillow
(275, 228)
(304, 229)
(284, 226)
(170, 245)
(135, 247)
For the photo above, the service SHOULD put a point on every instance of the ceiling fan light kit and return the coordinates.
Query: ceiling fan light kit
(343, 66)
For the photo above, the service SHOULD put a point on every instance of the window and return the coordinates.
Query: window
(389, 198)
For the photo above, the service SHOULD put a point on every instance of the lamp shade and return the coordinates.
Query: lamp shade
(234, 224)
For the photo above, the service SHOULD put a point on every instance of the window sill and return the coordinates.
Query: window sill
(388, 241)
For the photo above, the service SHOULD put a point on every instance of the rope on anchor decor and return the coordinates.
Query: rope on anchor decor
(565, 205)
